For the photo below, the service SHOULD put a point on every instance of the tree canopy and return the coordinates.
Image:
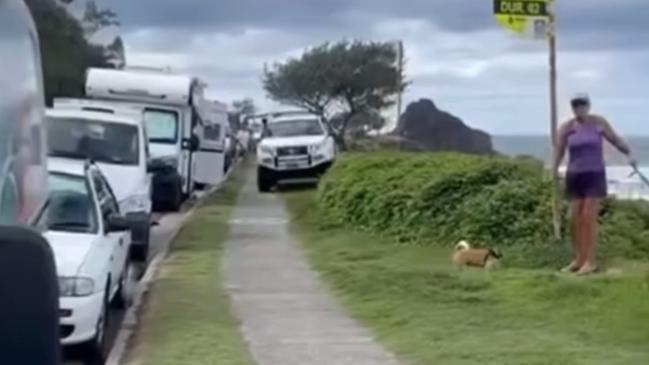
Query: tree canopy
(65, 49)
(239, 113)
(344, 78)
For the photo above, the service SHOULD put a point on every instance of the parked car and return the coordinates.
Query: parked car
(294, 146)
(117, 143)
(90, 239)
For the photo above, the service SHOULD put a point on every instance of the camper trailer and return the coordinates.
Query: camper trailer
(173, 109)
(210, 157)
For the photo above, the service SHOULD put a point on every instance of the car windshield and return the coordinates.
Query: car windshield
(297, 127)
(161, 126)
(101, 141)
(71, 206)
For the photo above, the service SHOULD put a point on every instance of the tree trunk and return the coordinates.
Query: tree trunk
(339, 137)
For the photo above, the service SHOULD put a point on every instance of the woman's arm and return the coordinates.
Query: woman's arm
(613, 137)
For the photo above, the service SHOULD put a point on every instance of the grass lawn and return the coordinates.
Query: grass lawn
(428, 312)
(187, 320)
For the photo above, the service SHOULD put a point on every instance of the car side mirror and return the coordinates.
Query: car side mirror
(194, 143)
(118, 223)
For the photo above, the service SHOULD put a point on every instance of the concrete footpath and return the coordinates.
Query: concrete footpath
(287, 316)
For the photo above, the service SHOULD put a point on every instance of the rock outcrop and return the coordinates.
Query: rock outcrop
(432, 129)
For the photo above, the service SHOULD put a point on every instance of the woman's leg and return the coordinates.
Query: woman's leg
(590, 235)
(576, 231)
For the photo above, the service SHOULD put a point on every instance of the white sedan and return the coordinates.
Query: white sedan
(91, 241)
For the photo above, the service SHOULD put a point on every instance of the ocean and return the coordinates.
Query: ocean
(539, 147)
(621, 182)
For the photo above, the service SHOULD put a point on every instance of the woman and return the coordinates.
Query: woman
(583, 137)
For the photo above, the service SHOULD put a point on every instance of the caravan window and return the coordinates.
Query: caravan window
(161, 125)
(212, 132)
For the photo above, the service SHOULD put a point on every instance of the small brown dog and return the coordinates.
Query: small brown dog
(484, 258)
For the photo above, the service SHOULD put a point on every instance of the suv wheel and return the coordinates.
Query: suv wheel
(264, 180)
(177, 198)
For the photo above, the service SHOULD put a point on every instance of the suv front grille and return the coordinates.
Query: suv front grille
(292, 151)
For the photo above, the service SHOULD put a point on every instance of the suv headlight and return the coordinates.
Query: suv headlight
(135, 203)
(76, 287)
(266, 150)
(318, 147)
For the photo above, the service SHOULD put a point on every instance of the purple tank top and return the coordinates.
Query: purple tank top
(585, 148)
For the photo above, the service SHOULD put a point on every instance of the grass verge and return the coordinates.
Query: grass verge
(188, 319)
(428, 312)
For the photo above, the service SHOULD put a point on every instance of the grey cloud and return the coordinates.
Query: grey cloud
(623, 21)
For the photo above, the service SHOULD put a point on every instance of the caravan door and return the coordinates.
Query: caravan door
(211, 155)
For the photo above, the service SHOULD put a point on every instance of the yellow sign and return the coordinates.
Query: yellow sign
(524, 17)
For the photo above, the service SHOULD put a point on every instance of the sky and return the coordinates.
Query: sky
(456, 53)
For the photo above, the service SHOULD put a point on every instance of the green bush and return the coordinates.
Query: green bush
(438, 199)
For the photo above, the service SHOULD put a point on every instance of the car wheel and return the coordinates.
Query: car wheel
(264, 183)
(140, 252)
(95, 349)
(124, 297)
(177, 199)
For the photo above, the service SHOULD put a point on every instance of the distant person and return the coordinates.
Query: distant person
(265, 130)
(583, 137)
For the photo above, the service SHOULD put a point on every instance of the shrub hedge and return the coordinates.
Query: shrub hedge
(438, 199)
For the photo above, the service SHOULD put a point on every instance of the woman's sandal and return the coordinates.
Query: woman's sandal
(587, 270)
(572, 268)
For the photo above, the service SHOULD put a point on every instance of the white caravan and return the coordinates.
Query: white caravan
(210, 157)
(172, 109)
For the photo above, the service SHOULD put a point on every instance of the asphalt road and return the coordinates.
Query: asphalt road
(161, 234)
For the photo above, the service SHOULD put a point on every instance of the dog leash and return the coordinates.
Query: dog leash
(636, 172)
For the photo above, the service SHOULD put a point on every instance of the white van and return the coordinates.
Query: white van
(117, 143)
(172, 106)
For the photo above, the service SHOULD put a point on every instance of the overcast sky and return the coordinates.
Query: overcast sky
(456, 54)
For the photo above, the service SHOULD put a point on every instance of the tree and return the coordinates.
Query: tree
(65, 50)
(245, 106)
(345, 79)
(96, 19)
(116, 53)
(361, 124)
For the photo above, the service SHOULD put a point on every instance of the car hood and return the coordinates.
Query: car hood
(70, 250)
(292, 141)
(125, 181)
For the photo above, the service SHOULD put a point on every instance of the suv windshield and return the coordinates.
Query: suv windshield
(101, 141)
(71, 206)
(161, 125)
(297, 127)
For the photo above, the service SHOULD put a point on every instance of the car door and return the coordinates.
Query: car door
(118, 241)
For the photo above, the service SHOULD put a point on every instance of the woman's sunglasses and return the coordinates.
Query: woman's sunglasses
(579, 103)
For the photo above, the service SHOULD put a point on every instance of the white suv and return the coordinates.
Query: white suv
(295, 146)
(118, 144)
(91, 241)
